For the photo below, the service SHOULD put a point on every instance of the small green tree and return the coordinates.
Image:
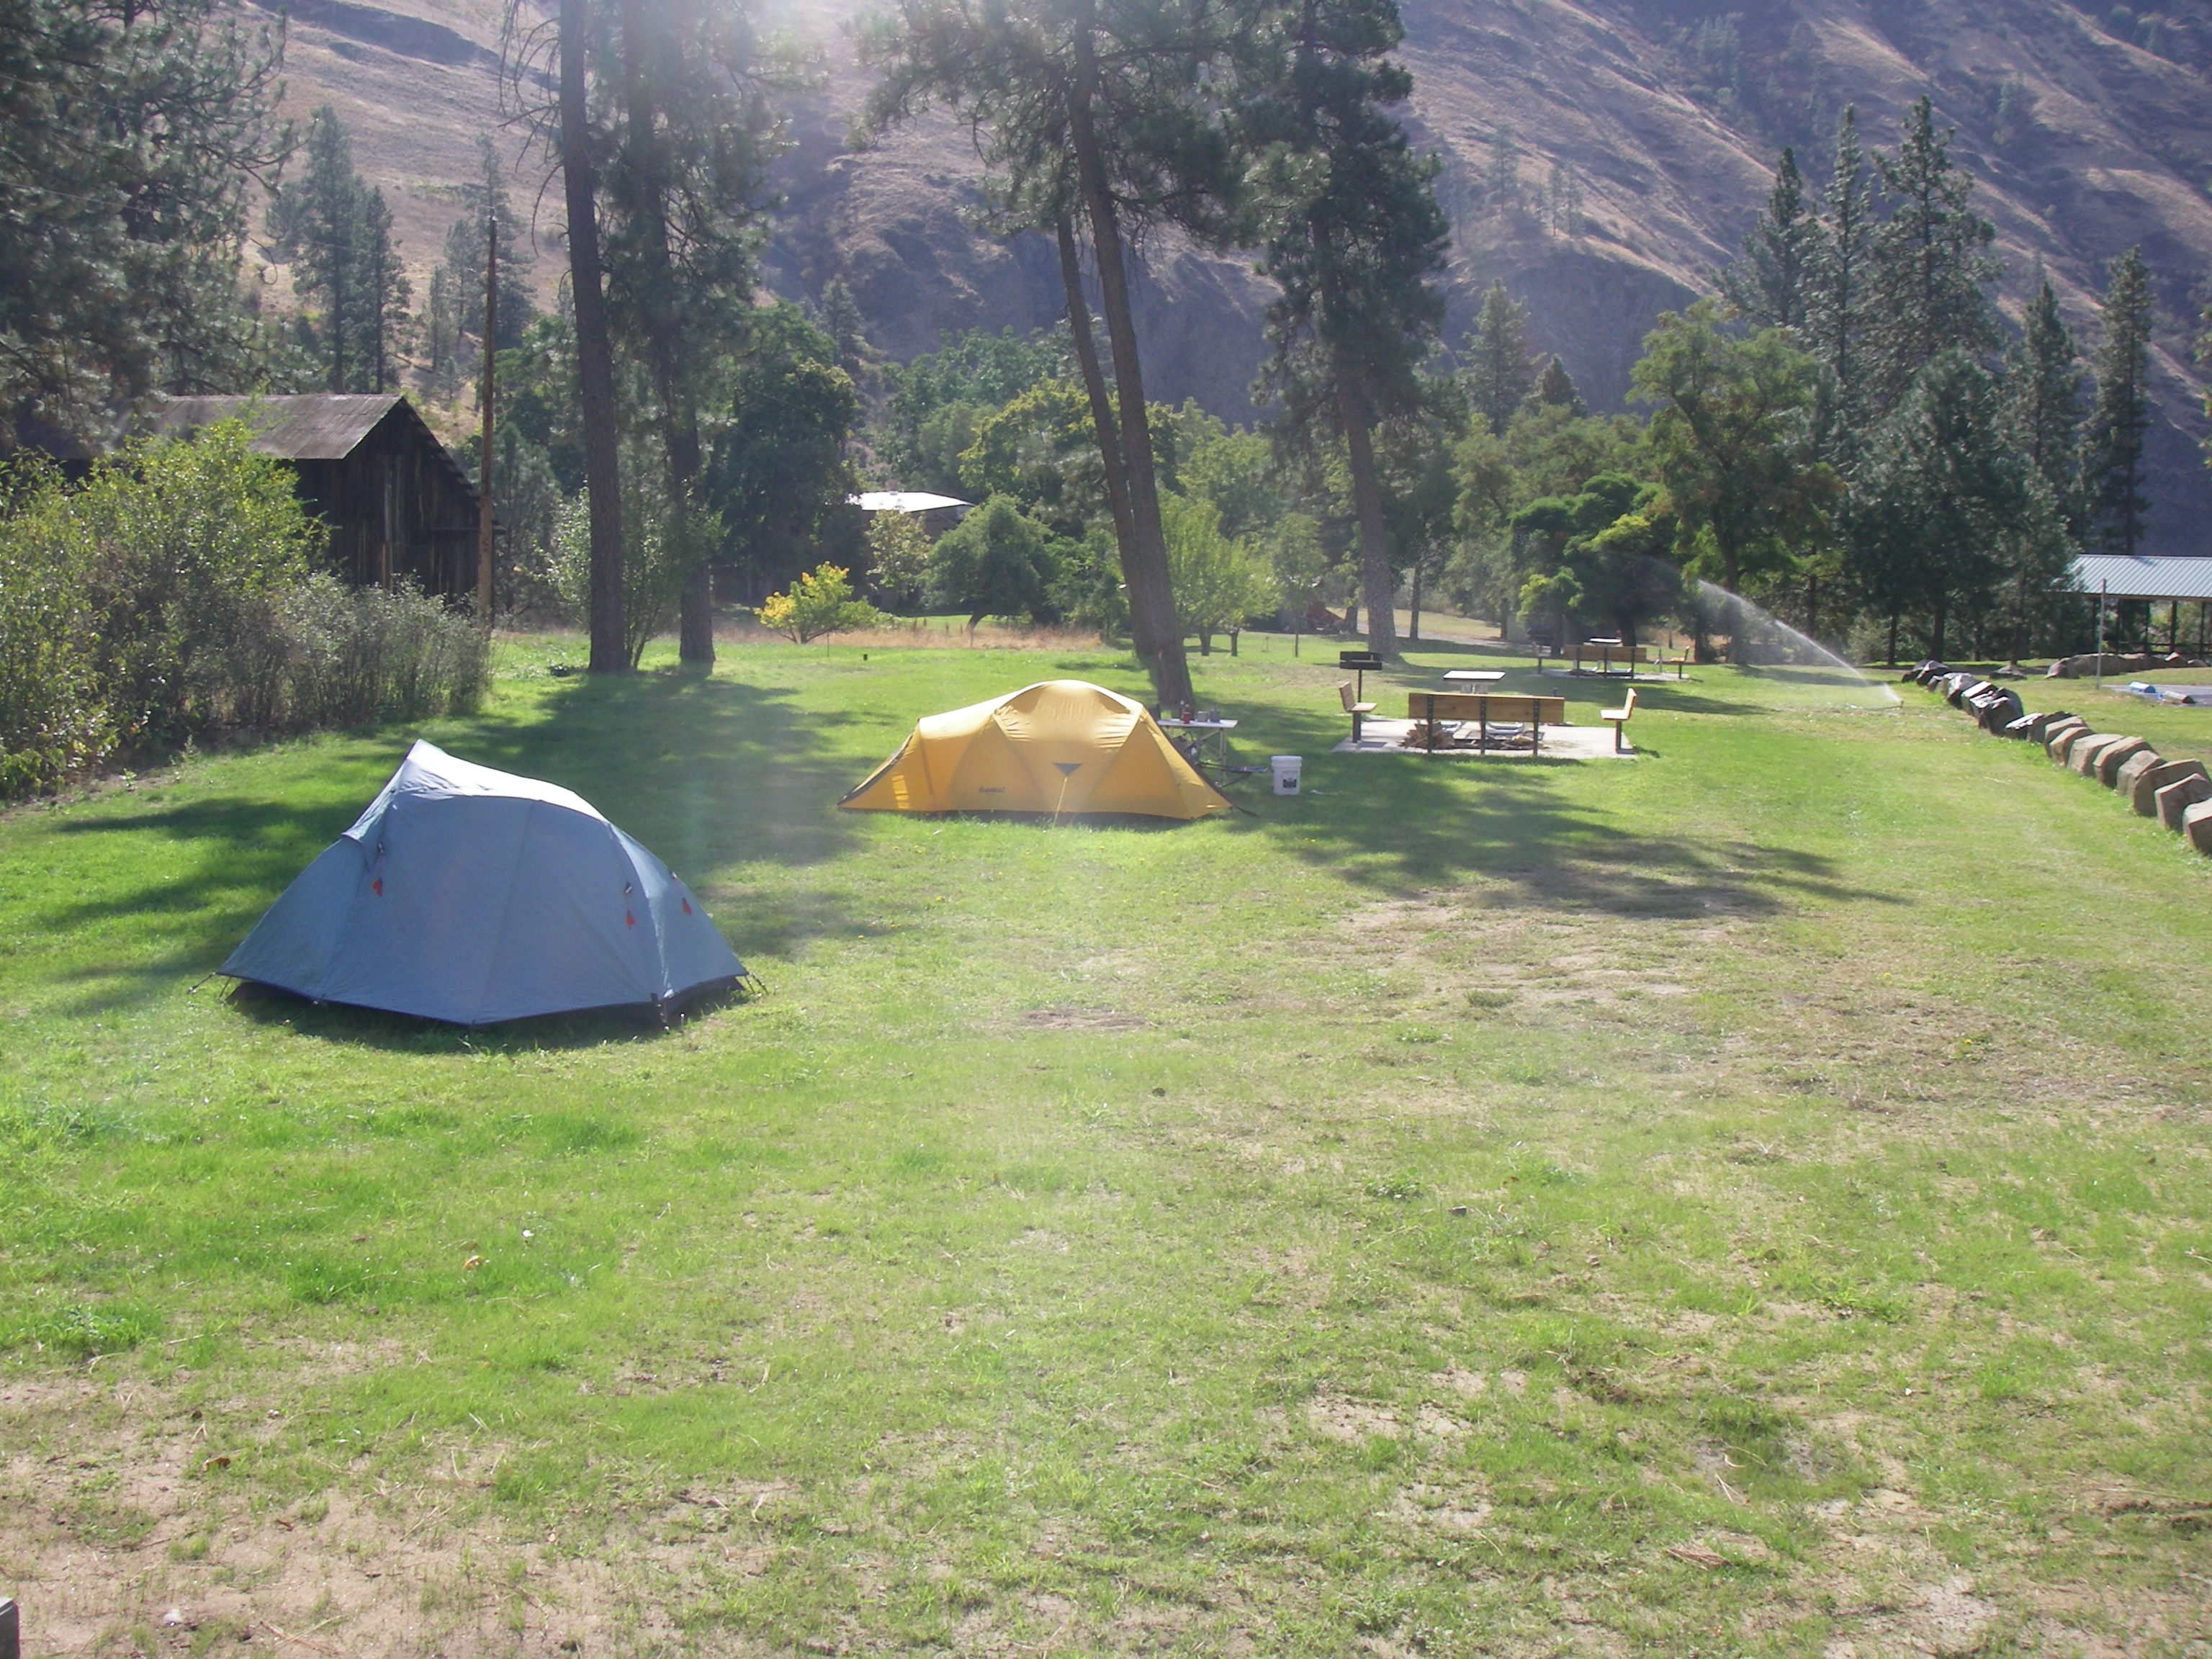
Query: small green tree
(820, 602)
(997, 561)
(1218, 582)
(898, 559)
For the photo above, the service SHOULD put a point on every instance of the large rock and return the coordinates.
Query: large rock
(2196, 825)
(2142, 788)
(1996, 708)
(2032, 728)
(1921, 672)
(2179, 796)
(1955, 687)
(2081, 753)
(2060, 734)
(2115, 755)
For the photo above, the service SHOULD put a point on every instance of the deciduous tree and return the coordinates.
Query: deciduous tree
(1732, 440)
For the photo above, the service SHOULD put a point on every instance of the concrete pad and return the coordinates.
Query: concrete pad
(2111, 758)
(1381, 737)
(2179, 796)
(2141, 790)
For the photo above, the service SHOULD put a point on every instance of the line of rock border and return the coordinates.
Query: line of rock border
(2177, 793)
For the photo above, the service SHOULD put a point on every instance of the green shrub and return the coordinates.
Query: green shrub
(53, 718)
(170, 596)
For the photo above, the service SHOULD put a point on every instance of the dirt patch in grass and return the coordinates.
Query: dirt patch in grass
(1083, 1019)
(127, 1536)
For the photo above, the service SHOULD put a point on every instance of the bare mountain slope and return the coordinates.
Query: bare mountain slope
(1668, 115)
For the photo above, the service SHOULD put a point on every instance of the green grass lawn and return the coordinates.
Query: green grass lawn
(1749, 1199)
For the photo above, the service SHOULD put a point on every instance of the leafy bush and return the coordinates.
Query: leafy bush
(898, 553)
(53, 718)
(997, 561)
(663, 541)
(182, 546)
(354, 657)
(820, 602)
(169, 597)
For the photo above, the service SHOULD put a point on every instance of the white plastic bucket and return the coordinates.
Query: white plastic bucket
(1285, 771)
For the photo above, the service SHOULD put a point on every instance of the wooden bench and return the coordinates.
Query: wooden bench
(1678, 664)
(1606, 656)
(1359, 711)
(1486, 709)
(1619, 718)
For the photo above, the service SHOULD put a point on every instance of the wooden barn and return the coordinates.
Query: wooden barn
(397, 502)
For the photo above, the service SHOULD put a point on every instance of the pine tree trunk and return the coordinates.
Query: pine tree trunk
(1377, 580)
(663, 337)
(594, 353)
(1094, 385)
(1154, 628)
(1413, 621)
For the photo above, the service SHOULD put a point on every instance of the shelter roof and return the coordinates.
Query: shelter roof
(2146, 576)
(904, 501)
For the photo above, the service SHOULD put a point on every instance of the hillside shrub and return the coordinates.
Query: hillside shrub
(171, 596)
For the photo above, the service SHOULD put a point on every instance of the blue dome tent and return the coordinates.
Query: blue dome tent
(473, 897)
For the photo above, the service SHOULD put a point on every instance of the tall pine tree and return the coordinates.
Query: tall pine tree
(130, 135)
(2122, 414)
(1092, 114)
(1837, 312)
(1932, 267)
(1352, 234)
(2043, 392)
(1772, 284)
(1497, 368)
(336, 231)
(453, 321)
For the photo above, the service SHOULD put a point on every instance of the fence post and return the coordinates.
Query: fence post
(11, 1628)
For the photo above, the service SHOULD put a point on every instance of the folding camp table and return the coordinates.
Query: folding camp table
(1212, 737)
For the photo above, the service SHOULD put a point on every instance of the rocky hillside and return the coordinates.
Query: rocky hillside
(1641, 136)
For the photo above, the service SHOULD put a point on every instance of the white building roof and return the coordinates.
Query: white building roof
(2146, 576)
(904, 501)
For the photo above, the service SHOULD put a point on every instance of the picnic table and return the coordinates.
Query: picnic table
(1474, 676)
(1606, 653)
(1485, 708)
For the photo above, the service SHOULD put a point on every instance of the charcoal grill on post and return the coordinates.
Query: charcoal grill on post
(1359, 662)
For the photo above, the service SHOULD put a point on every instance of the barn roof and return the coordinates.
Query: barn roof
(2146, 576)
(320, 426)
(311, 426)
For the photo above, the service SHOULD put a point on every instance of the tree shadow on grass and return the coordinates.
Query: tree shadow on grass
(707, 773)
(1409, 824)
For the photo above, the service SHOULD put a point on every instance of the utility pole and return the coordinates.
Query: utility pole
(483, 465)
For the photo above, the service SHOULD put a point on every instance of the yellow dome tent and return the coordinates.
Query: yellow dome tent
(1056, 746)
